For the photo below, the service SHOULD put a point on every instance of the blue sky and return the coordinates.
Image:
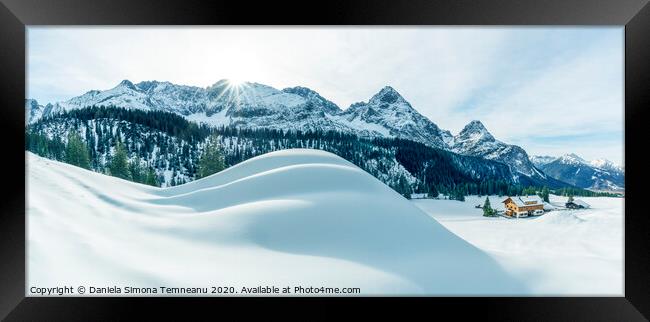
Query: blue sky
(551, 90)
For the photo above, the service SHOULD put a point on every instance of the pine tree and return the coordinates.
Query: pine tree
(151, 178)
(487, 208)
(135, 170)
(76, 152)
(211, 160)
(119, 166)
(545, 194)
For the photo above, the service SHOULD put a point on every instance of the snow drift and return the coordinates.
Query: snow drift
(287, 218)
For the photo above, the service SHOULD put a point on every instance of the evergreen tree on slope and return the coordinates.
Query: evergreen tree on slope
(76, 151)
(119, 166)
(211, 160)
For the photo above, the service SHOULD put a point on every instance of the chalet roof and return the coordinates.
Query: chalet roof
(580, 203)
(523, 201)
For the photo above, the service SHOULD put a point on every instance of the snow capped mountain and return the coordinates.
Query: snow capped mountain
(254, 105)
(314, 98)
(476, 140)
(223, 103)
(572, 158)
(540, 160)
(388, 114)
(606, 165)
(600, 174)
(34, 111)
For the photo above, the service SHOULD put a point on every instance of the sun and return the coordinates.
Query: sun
(235, 82)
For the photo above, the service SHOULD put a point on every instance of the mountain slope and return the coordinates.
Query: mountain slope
(540, 160)
(388, 114)
(254, 105)
(33, 111)
(308, 218)
(247, 105)
(599, 175)
(171, 145)
(476, 140)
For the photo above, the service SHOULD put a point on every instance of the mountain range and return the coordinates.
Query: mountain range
(600, 174)
(252, 105)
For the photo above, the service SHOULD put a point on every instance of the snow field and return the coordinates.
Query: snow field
(288, 218)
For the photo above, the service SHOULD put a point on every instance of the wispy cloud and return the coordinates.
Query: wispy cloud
(528, 85)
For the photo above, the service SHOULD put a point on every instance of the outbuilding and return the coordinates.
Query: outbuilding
(577, 204)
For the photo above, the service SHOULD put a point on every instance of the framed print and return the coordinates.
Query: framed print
(443, 154)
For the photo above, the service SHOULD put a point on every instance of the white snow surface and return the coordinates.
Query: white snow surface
(560, 253)
(287, 218)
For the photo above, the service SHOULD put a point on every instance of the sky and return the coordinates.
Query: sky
(550, 90)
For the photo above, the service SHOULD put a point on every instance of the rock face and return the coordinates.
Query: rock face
(387, 113)
(601, 175)
(476, 140)
(33, 111)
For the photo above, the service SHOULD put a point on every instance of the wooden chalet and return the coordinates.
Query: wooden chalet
(524, 206)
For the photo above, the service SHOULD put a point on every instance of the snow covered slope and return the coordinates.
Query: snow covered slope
(293, 217)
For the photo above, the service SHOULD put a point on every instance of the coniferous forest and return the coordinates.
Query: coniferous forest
(164, 149)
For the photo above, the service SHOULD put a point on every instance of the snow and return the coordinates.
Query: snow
(563, 252)
(361, 125)
(606, 165)
(217, 119)
(572, 158)
(288, 218)
(540, 160)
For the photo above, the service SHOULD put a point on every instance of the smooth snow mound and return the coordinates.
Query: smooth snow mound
(288, 218)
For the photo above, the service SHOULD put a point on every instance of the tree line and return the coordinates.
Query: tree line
(164, 148)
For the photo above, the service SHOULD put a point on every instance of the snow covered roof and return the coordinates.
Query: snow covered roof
(548, 206)
(525, 200)
(580, 203)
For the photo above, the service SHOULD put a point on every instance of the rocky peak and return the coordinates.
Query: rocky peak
(475, 130)
(572, 158)
(127, 84)
(313, 96)
(387, 96)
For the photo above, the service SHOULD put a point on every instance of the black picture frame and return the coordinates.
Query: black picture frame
(633, 14)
